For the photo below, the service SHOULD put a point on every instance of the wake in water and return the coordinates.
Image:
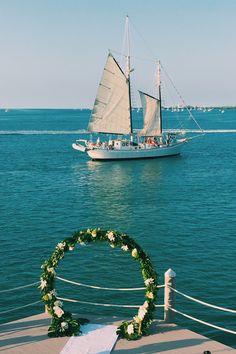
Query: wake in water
(42, 132)
(83, 131)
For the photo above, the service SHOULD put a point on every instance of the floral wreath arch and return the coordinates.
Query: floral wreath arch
(62, 323)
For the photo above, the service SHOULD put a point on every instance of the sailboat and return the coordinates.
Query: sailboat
(112, 114)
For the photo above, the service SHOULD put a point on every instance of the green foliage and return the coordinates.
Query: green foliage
(62, 323)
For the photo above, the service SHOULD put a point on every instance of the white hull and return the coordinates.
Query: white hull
(162, 151)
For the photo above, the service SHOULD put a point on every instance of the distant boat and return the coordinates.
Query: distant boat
(112, 114)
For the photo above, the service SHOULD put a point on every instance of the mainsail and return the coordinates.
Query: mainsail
(151, 115)
(111, 111)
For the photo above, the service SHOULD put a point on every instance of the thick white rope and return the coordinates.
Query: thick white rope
(20, 307)
(19, 287)
(99, 304)
(102, 288)
(203, 322)
(203, 302)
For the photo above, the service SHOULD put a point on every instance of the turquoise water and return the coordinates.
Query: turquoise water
(181, 210)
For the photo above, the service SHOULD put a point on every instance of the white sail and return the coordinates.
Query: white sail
(111, 111)
(151, 115)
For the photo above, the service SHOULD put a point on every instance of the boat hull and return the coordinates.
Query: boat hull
(79, 147)
(163, 151)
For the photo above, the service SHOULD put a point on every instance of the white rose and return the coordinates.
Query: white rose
(81, 242)
(130, 329)
(58, 311)
(61, 245)
(111, 236)
(124, 248)
(149, 295)
(149, 281)
(43, 283)
(58, 303)
(136, 319)
(64, 325)
(50, 270)
(53, 292)
(142, 312)
(134, 253)
(94, 233)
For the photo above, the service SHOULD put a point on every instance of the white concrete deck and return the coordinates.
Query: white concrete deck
(29, 336)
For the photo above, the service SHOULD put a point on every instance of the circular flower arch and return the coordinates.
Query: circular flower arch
(63, 324)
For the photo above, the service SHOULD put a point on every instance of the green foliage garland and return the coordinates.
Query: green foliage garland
(62, 323)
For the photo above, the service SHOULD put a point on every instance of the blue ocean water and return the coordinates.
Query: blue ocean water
(181, 210)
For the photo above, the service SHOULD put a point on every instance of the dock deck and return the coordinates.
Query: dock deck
(29, 335)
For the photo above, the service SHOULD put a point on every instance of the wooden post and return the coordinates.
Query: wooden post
(169, 297)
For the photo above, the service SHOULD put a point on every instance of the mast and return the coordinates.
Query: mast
(159, 90)
(128, 70)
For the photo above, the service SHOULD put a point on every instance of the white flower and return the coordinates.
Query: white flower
(64, 325)
(130, 329)
(58, 311)
(134, 253)
(61, 245)
(111, 236)
(51, 270)
(81, 242)
(112, 246)
(43, 284)
(142, 312)
(149, 281)
(146, 304)
(49, 295)
(94, 233)
(71, 248)
(149, 295)
(136, 319)
(58, 303)
(124, 248)
(53, 292)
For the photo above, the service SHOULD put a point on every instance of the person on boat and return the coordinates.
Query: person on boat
(110, 144)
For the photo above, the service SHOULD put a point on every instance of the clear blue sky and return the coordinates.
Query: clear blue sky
(53, 51)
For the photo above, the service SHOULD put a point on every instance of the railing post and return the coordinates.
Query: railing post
(169, 297)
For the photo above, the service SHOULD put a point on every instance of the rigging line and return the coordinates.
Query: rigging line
(134, 56)
(195, 136)
(183, 101)
(166, 88)
(144, 41)
(122, 53)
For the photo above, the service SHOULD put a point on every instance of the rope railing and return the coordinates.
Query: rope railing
(203, 322)
(169, 287)
(19, 287)
(102, 304)
(102, 288)
(169, 301)
(20, 307)
(202, 302)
